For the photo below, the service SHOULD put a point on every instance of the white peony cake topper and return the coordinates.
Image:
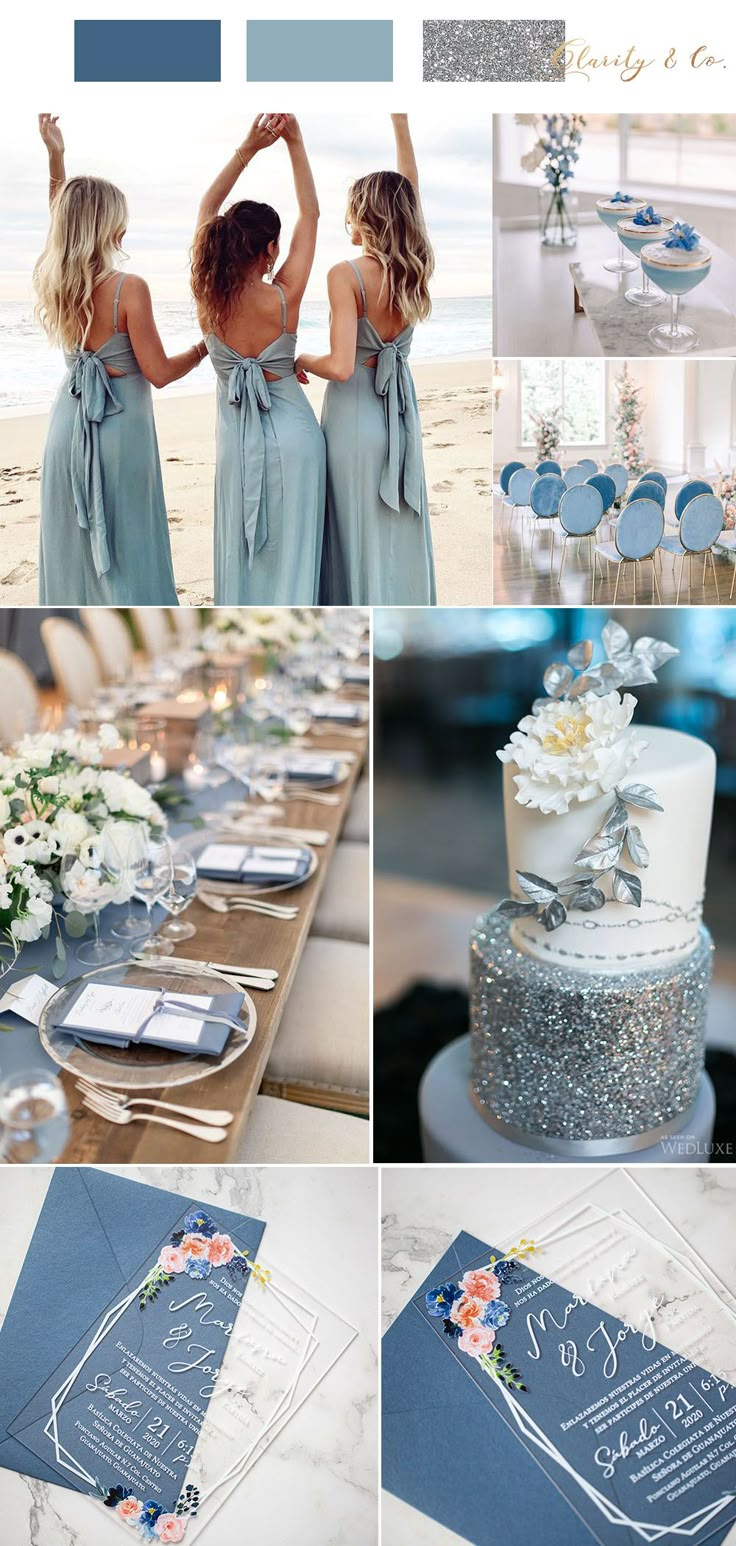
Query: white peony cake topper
(576, 745)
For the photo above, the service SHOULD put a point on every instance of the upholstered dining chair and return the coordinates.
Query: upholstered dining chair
(701, 524)
(638, 534)
(548, 467)
(620, 475)
(520, 486)
(606, 488)
(580, 515)
(19, 702)
(111, 639)
(74, 664)
(507, 504)
(648, 488)
(544, 500)
(152, 627)
(576, 474)
(727, 544)
(507, 473)
(186, 624)
(691, 490)
(589, 465)
(656, 477)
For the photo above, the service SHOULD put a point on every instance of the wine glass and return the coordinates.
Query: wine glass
(152, 877)
(676, 271)
(89, 882)
(178, 898)
(34, 1119)
(132, 926)
(610, 211)
(268, 775)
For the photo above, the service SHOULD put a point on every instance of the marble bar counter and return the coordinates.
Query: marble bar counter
(535, 300)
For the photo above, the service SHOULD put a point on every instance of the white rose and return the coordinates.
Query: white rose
(85, 891)
(71, 829)
(49, 785)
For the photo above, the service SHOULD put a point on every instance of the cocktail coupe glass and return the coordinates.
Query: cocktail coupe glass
(634, 232)
(677, 265)
(610, 210)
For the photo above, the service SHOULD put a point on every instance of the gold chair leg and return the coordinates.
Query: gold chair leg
(562, 560)
(715, 576)
(636, 565)
(656, 583)
(619, 567)
(679, 582)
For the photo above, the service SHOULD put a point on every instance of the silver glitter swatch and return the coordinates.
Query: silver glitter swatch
(575, 1055)
(493, 50)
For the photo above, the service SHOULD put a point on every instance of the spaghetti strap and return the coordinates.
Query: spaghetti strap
(283, 305)
(359, 278)
(116, 303)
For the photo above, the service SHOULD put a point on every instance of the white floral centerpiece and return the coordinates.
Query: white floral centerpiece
(57, 803)
(272, 631)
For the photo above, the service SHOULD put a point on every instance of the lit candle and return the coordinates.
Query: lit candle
(220, 699)
(158, 767)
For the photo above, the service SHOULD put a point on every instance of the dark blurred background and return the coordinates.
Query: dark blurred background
(450, 686)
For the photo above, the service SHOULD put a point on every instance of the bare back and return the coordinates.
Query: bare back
(256, 320)
(387, 323)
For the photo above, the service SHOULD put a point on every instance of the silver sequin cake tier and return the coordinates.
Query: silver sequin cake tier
(584, 1062)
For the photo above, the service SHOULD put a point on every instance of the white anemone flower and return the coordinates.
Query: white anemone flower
(573, 750)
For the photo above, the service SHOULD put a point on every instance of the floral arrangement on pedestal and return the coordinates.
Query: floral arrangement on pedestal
(547, 434)
(556, 151)
(627, 428)
(728, 495)
(58, 804)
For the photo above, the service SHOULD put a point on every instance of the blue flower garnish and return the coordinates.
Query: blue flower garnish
(647, 216)
(199, 1224)
(682, 235)
(496, 1313)
(439, 1301)
(621, 198)
(198, 1267)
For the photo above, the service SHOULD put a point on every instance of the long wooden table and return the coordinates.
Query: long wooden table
(234, 937)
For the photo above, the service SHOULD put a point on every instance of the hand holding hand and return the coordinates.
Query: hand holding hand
(48, 128)
(265, 130)
(291, 131)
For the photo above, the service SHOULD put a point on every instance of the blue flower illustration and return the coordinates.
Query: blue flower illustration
(150, 1512)
(199, 1224)
(439, 1301)
(503, 1270)
(450, 1329)
(198, 1267)
(496, 1314)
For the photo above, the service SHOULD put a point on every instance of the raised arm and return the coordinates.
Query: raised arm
(295, 270)
(48, 126)
(339, 364)
(406, 161)
(158, 367)
(265, 130)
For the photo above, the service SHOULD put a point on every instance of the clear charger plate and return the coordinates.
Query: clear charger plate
(142, 1067)
(194, 844)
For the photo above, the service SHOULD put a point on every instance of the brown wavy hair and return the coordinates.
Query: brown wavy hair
(224, 252)
(384, 209)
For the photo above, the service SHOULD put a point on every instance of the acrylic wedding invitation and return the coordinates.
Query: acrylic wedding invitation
(604, 1417)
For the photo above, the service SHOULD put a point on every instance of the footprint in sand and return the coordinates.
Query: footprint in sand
(22, 572)
(17, 501)
(441, 445)
(442, 488)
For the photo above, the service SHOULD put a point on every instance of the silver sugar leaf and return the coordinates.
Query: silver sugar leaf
(513, 909)
(557, 679)
(583, 684)
(640, 795)
(616, 640)
(600, 853)
(616, 821)
(638, 851)
(655, 652)
(636, 672)
(581, 654)
(536, 887)
(626, 887)
(573, 883)
(553, 916)
(590, 899)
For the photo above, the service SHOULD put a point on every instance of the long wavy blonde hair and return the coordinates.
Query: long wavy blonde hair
(384, 209)
(88, 219)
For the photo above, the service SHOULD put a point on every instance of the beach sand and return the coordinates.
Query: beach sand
(454, 401)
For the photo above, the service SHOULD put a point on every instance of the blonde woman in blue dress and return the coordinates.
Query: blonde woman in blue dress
(104, 534)
(270, 466)
(378, 540)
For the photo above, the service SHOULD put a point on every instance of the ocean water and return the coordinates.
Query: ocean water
(30, 370)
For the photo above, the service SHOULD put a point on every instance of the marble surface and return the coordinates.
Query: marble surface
(318, 1481)
(534, 310)
(423, 1209)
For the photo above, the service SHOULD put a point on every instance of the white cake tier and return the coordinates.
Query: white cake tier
(681, 770)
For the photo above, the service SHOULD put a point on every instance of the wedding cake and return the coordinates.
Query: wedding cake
(590, 982)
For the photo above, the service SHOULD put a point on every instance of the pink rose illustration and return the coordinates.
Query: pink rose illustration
(129, 1509)
(481, 1284)
(220, 1250)
(467, 1310)
(194, 1245)
(172, 1259)
(169, 1528)
(476, 1340)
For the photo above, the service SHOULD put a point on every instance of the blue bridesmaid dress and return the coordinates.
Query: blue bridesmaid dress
(378, 539)
(104, 535)
(269, 479)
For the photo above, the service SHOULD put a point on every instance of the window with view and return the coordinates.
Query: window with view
(574, 389)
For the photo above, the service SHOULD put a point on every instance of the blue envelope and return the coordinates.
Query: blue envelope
(94, 1233)
(448, 1452)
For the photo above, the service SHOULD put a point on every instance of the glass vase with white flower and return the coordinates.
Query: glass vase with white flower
(555, 152)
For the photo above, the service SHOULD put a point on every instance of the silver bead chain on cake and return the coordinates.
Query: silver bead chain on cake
(583, 1056)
